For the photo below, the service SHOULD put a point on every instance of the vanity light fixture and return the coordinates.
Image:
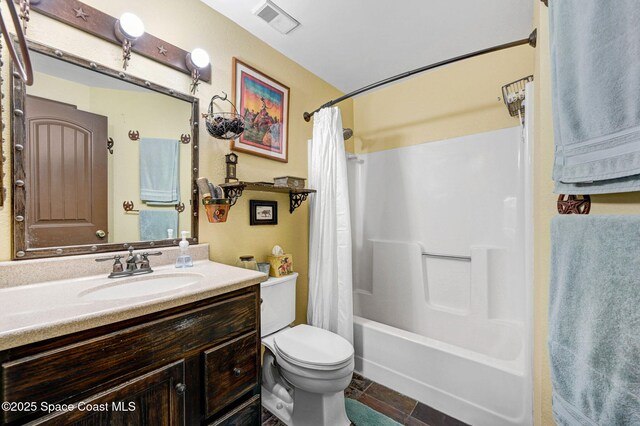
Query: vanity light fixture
(128, 29)
(195, 61)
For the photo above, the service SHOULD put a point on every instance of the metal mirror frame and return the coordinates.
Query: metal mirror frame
(20, 249)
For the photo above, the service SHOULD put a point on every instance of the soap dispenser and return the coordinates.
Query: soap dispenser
(184, 259)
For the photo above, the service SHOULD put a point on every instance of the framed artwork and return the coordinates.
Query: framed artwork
(264, 105)
(263, 212)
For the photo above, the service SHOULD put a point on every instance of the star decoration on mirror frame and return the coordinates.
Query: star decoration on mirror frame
(162, 50)
(81, 14)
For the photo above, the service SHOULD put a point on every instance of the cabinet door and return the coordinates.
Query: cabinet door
(154, 399)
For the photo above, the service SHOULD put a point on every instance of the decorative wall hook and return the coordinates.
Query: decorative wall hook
(185, 139)
(134, 135)
(110, 145)
(571, 204)
(128, 206)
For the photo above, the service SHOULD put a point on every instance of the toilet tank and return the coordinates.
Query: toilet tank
(278, 307)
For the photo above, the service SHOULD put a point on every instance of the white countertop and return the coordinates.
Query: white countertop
(35, 312)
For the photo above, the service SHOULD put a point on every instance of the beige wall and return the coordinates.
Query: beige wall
(460, 99)
(545, 209)
(189, 24)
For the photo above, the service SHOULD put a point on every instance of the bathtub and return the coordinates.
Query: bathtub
(473, 387)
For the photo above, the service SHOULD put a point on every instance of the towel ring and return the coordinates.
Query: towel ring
(25, 70)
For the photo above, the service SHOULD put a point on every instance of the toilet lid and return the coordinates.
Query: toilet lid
(311, 346)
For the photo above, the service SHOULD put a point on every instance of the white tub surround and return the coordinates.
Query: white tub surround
(441, 293)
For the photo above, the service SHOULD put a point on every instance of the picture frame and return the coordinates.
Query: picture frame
(263, 102)
(263, 212)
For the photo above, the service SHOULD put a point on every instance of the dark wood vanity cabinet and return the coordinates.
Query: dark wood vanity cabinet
(197, 364)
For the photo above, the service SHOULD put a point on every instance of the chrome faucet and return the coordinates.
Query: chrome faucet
(135, 264)
(132, 261)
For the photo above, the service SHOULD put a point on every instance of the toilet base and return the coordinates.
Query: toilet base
(280, 409)
(311, 409)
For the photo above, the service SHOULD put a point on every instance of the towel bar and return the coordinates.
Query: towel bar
(447, 256)
(127, 206)
(134, 135)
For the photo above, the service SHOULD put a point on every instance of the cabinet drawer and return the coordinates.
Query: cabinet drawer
(230, 370)
(77, 370)
(248, 414)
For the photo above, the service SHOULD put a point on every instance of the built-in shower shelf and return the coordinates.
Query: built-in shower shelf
(297, 196)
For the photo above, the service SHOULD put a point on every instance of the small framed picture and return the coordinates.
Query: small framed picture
(263, 212)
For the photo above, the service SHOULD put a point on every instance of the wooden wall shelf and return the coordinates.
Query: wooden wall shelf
(296, 196)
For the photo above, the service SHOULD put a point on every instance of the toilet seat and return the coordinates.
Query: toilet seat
(313, 348)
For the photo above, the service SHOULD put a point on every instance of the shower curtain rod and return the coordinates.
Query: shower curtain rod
(531, 41)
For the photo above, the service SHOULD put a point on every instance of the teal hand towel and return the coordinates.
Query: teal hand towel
(159, 171)
(594, 320)
(595, 75)
(154, 224)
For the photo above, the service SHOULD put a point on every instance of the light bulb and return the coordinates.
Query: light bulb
(131, 26)
(199, 57)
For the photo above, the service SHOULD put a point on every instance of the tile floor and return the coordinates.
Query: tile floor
(396, 406)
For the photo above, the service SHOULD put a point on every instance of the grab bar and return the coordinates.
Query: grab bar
(447, 256)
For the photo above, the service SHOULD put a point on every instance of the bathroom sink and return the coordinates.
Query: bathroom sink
(144, 285)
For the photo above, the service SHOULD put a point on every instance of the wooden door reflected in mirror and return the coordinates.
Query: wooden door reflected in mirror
(67, 163)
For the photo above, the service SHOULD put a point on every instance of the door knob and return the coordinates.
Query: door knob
(100, 234)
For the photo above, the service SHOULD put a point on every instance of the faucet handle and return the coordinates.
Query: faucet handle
(154, 253)
(117, 258)
(144, 265)
(117, 269)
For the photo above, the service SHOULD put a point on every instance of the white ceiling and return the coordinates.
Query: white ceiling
(352, 43)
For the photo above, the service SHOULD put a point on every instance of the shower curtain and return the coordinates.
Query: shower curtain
(330, 281)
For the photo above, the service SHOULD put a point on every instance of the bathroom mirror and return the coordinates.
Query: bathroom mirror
(102, 160)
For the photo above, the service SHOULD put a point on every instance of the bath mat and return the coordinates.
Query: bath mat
(361, 415)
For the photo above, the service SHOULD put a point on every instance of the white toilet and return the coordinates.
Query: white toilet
(305, 369)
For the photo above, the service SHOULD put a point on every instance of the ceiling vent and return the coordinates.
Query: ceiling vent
(276, 17)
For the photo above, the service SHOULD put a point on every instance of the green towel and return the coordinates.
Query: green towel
(594, 320)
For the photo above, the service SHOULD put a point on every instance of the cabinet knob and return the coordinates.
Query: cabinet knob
(181, 388)
(237, 372)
